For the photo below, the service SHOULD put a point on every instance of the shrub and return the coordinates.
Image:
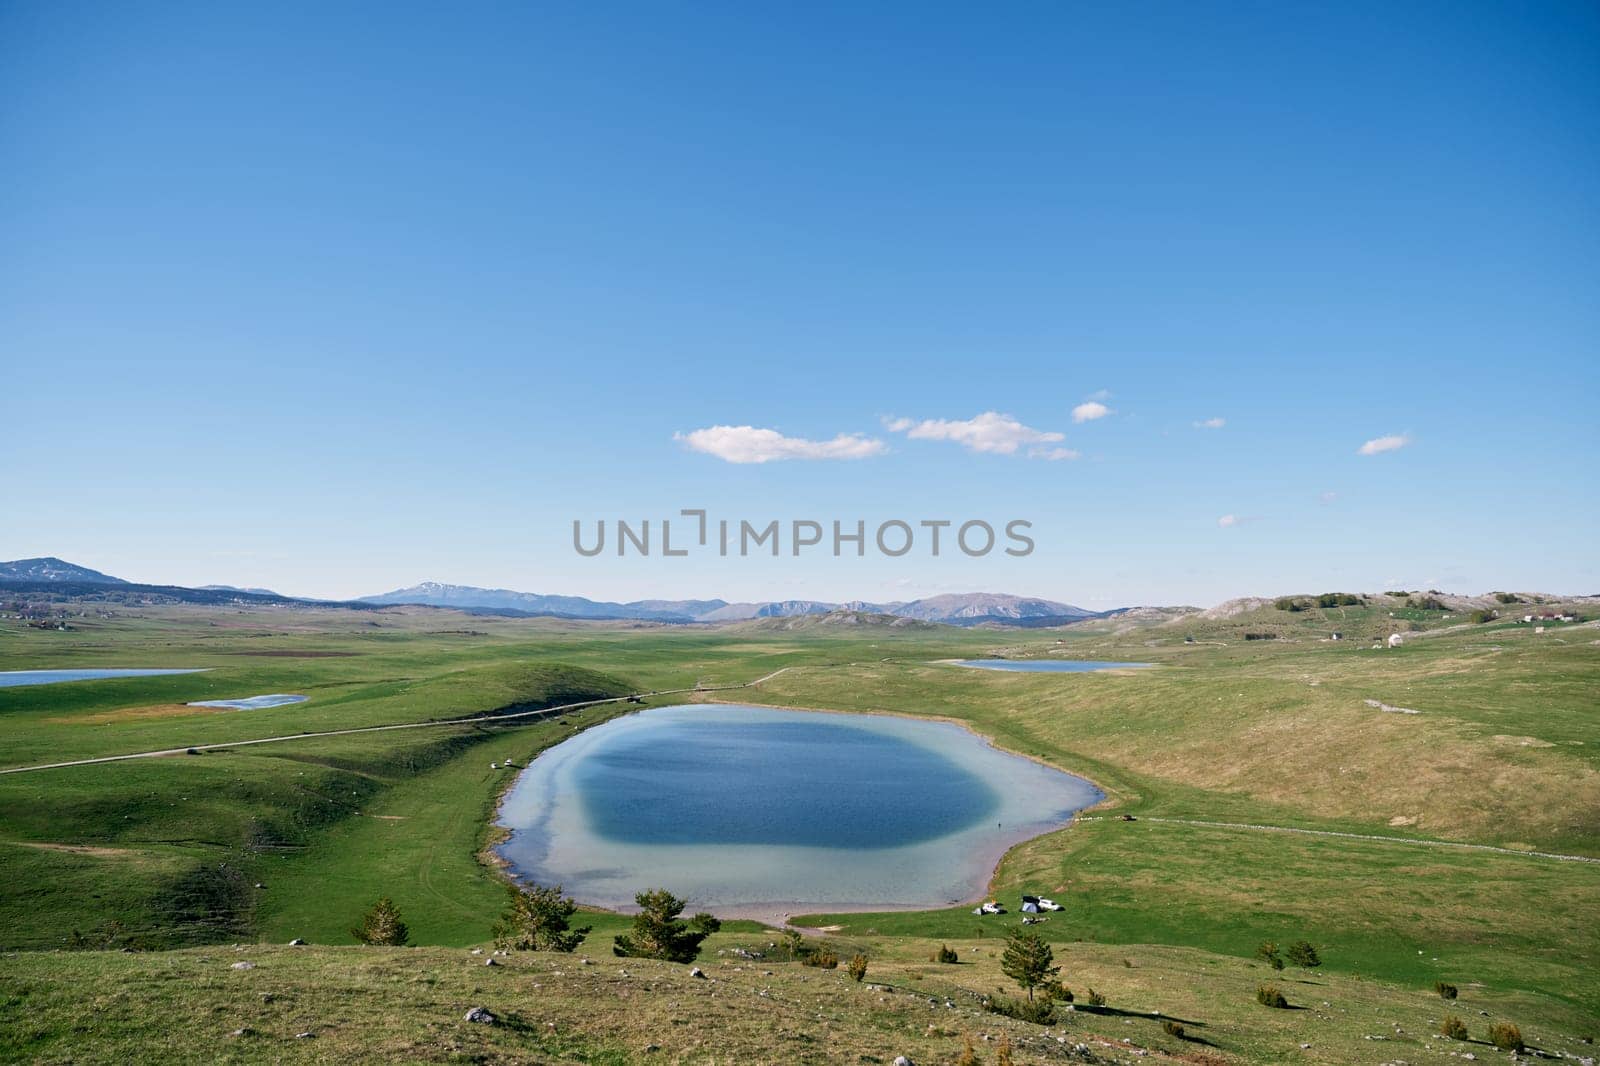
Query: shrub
(1056, 992)
(1289, 603)
(1446, 991)
(658, 932)
(1268, 953)
(1302, 954)
(1483, 616)
(969, 1055)
(822, 958)
(1039, 1012)
(1094, 999)
(538, 919)
(1508, 597)
(1429, 603)
(1338, 599)
(381, 926)
(1506, 1037)
(945, 955)
(1173, 1028)
(1002, 1053)
(1453, 1027)
(858, 967)
(1269, 996)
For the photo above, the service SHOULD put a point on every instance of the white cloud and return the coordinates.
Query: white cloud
(1376, 445)
(1100, 394)
(1328, 497)
(1211, 423)
(1229, 520)
(1089, 411)
(748, 444)
(989, 432)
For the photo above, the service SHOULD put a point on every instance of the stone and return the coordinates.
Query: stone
(480, 1016)
(297, 943)
(243, 966)
(305, 1036)
(695, 971)
(243, 1031)
(901, 1060)
(490, 962)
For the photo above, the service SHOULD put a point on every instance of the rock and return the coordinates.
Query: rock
(695, 971)
(243, 966)
(901, 1060)
(305, 1036)
(480, 1016)
(648, 1048)
(477, 951)
(243, 1031)
(490, 961)
(297, 943)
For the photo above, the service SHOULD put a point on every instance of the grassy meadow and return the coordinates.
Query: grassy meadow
(183, 857)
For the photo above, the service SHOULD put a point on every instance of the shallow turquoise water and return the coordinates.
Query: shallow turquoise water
(13, 678)
(735, 806)
(1046, 666)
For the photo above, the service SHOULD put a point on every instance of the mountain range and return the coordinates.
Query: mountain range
(967, 609)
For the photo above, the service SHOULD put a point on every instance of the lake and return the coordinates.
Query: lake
(757, 811)
(253, 703)
(1047, 666)
(13, 678)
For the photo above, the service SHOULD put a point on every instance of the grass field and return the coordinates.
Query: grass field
(1504, 750)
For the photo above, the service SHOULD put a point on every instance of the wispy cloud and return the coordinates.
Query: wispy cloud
(1099, 394)
(1328, 497)
(989, 432)
(1211, 423)
(1378, 445)
(749, 444)
(1228, 521)
(1089, 410)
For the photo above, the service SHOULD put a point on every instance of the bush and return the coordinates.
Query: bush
(946, 956)
(1002, 1053)
(858, 967)
(538, 919)
(1338, 599)
(1429, 603)
(1056, 992)
(1268, 952)
(1038, 1011)
(1446, 991)
(1302, 954)
(1508, 597)
(1289, 603)
(1453, 1027)
(821, 958)
(1094, 999)
(381, 926)
(1269, 996)
(1506, 1037)
(1173, 1028)
(969, 1054)
(1483, 616)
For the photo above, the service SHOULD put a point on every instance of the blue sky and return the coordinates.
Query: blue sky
(337, 298)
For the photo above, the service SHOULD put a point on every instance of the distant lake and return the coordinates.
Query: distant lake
(13, 678)
(1047, 666)
(252, 703)
(742, 808)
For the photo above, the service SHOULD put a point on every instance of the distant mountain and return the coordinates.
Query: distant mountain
(236, 588)
(52, 569)
(976, 608)
(435, 594)
(968, 609)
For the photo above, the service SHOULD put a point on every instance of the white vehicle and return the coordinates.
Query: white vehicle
(1048, 904)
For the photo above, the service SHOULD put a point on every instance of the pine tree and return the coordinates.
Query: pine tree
(1027, 960)
(658, 932)
(381, 926)
(538, 919)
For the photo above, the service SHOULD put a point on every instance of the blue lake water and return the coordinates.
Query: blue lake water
(759, 811)
(252, 703)
(1047, 666)
(13, 678)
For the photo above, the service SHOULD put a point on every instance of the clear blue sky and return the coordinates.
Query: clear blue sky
(334, 298)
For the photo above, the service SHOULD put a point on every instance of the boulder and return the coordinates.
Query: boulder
(243, 966)
(695, 971)
(480, 1016)
(297, 943)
